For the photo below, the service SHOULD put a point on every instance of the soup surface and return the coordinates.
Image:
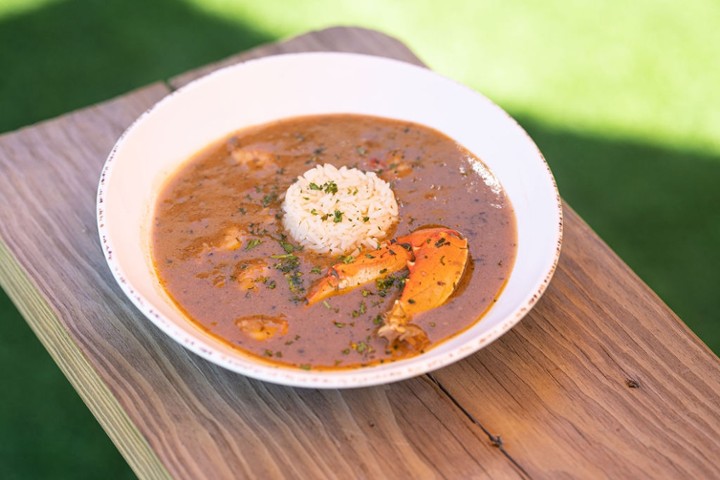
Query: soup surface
(223, 255)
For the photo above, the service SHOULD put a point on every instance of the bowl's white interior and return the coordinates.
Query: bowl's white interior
(289, 85)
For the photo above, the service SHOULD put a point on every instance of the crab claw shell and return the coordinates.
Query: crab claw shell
(440, 257)
(397, 330)
(366, 268)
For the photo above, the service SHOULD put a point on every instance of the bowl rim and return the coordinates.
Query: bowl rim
(294, 377)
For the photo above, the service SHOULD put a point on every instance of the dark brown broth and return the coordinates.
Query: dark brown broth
(218, 218)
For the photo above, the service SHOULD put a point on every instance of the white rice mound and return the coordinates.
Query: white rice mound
(359, 214)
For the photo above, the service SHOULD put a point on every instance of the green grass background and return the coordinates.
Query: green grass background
(622, 98)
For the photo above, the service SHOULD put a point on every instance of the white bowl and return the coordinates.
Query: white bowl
(270, 88)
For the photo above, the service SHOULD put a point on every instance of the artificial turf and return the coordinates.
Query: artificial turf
(620, 97)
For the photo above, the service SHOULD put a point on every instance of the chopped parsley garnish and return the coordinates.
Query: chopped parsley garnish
(252, 243)
(337, 216)
(269, 198)
(330, 187)
(288, 247)
(289, 265)
(362, 309)
(386, 283)
(327, 187)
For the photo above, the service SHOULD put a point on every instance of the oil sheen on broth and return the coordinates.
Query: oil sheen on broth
(221, 252)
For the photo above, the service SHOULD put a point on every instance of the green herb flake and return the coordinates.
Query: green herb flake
(314, 186)
(339, 324)
(337, 216)
(361, 347)
(378, 320)
(269, 198)
(330, 187)
(305, 366)
(252, 243)
(366, 219)
(347, 259)
(360, 311)
(288, 247)
(316, 270)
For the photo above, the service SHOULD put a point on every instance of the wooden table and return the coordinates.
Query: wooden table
(601, 379)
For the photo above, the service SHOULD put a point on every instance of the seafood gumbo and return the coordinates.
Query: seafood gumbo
(228, 255)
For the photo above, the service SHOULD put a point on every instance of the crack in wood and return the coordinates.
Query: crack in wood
(496, 440)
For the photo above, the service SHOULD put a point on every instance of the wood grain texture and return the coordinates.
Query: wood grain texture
(600, 380)
(48, 253)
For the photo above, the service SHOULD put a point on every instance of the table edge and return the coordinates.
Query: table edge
(92, 389)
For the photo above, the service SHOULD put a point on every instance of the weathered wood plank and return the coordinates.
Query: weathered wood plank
(600, 380)
(167, 410)
(49, 258)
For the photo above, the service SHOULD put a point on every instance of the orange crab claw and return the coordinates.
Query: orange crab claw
(440, 256)
(436, 260)
(366, 268)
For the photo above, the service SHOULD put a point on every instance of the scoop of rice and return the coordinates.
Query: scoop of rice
(331, 210)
